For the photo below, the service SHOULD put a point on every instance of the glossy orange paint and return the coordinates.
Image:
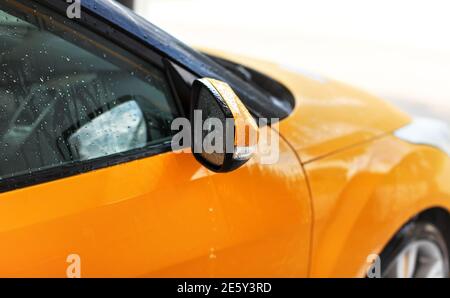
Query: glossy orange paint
(365, 183)
(167, 216)
(328, 115)
(363, 195)
(161, 216)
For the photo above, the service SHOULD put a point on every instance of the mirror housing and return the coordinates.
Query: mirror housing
(233, 141)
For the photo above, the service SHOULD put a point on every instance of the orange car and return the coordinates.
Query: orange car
(91, 186)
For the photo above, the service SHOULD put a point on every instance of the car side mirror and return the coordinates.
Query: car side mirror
(224, 134)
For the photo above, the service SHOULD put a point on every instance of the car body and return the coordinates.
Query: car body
(343, 187)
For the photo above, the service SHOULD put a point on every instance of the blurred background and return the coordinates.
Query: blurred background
(396, 49)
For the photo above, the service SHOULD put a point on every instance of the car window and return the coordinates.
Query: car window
(64, 99)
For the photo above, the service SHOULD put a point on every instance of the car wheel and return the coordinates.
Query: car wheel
(419, 251)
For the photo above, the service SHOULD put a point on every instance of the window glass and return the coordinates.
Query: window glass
(65, 98)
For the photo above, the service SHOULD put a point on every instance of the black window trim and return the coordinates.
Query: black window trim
(93, 26)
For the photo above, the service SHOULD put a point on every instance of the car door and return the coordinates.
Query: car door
(89, 184)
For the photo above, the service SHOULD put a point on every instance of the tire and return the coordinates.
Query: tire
(418, 251)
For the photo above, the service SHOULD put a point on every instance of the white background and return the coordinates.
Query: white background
(397, 49)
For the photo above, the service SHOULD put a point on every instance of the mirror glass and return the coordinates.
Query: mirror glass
(118, 130)
(213, 137)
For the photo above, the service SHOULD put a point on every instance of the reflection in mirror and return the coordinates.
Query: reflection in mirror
(211, 110)
(118, 130)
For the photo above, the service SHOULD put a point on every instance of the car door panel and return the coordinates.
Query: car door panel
(161, 216)
(267, 210)
(124, 220)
